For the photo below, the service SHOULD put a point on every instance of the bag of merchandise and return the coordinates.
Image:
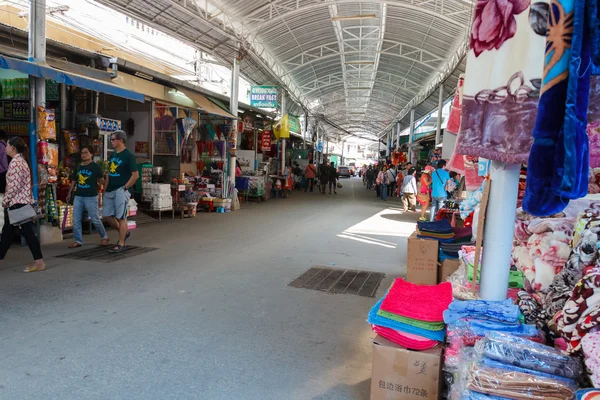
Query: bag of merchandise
(71, 139)
(46, 124)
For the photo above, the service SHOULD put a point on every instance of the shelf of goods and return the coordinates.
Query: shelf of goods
(158, 195)
(256, 186)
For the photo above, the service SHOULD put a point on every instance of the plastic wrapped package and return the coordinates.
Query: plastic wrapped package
(505, 383)
(461, 288)
(516, 351)
(71, 139)
(43, 153)
(46, 124)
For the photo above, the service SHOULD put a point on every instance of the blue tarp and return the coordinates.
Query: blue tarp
(68, 78)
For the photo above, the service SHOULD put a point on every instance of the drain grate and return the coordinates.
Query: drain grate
(101, 254)
(339, 281)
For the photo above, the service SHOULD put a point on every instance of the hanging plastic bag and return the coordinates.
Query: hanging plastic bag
(46, 124)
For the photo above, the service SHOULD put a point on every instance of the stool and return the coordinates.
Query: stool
(220, 210)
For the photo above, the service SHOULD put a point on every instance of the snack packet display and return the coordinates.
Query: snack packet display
(46, 124)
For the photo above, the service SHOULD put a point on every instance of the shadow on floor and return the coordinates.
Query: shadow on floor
(360, 391)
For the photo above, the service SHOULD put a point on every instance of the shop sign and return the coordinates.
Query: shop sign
(264, 96)
(247, 123)
(294, 124)
(266, 141)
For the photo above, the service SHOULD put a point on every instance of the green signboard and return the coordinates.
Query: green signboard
(294, 124)
(264, 96)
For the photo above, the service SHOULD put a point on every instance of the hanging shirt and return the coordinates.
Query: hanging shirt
(120, 168)
(86, 178)
(439, 177)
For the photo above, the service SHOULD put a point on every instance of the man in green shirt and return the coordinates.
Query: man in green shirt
(122, 175)
(85, 186)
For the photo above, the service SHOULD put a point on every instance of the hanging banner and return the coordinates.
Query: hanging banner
(282, 128)
(265, 143)
(264, 96)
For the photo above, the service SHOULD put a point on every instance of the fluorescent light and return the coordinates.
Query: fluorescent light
(359, 88)
(353, 17)
(144, 76)
(358, 62)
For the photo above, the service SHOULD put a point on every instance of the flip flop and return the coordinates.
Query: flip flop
(105, 242)
(118, 249)
(34, 268)
(74, 245)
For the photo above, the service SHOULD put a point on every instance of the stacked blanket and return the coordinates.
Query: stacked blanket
(412, 315)
(591, 349)
(511, 367)
(438, 230)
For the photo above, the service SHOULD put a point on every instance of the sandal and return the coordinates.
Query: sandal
(74, 245)
(34, 268)
(105, 242)
(127, 236)
(118, 249)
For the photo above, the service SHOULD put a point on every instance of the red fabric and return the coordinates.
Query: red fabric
(425, 303)
(408, 340)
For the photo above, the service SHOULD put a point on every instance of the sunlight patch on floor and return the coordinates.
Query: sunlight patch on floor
(384, 223)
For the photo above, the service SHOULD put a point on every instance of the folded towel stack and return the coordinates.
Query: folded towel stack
(412, 315)
(437, 230)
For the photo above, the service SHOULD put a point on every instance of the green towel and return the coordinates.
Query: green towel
(430, 326)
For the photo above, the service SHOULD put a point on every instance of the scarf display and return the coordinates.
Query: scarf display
(502, 81)
(524, 353)
(559, 160)
(581, 313)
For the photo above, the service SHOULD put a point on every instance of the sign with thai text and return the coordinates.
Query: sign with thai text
(264, 96)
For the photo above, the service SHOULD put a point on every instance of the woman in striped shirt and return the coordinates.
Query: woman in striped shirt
(18, 194)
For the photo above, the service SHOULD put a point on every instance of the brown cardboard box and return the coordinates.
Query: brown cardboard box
(422, 261)
(399, 373)
(447, 268)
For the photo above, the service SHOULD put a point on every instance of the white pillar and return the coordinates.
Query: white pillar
(438, 131)
(397, 135)
(233, 105)
(499, 231)
(37, 86)
(411, 135)
(283, 112)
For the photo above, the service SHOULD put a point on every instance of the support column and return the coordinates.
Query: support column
(397, 135)
(499, 230)
(37, 86)
(411, 135)
(233, 105)
(283, 112)
(438, 131)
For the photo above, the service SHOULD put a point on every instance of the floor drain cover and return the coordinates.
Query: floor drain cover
(101, 254)
(339, 281)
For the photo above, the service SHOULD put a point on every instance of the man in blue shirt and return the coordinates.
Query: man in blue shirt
(439, 177)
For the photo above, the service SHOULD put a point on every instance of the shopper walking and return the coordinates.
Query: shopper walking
(439, 194)
(85, 188)
(424, 196)
(323, 176)
(409, 191)
(379, 180)
(3, 161)
(311, 173)
(333, 178)
(370, 174)
(391, 175)
(385, 181)
(18, 195)
(122, 175)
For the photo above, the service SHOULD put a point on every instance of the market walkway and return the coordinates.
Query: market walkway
(209, 314)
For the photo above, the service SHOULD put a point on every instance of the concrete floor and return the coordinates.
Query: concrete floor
(208, 315)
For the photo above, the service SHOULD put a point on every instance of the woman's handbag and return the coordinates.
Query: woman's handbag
(423, 197)
(21, 213)
(339, 185)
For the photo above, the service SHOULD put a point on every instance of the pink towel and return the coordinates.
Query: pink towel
(425, 303)
(408, 340)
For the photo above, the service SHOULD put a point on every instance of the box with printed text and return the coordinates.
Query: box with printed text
(422, 261)
(399, 373)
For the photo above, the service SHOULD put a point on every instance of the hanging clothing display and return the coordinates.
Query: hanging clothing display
(559, 161)
(502, 80)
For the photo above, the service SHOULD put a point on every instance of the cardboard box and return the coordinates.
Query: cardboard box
(399, 373)
(422, 261)
(447, 268)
